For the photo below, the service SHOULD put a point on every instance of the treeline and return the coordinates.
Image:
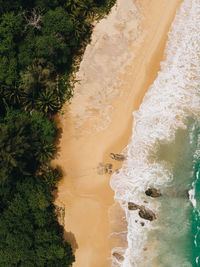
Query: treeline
(41, 42)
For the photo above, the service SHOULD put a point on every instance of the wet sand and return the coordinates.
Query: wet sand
(84, 191)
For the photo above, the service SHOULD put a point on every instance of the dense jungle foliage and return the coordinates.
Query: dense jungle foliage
(41, 43)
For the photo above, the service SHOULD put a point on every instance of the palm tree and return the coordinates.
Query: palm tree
(15, 148)
(9, 96)
(48, 102)
(75, 5)
(45, 152)
(13, 95)
(38, 77)
(51, 177)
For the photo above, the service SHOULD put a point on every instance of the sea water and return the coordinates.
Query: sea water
(177, 233)
(164, 152)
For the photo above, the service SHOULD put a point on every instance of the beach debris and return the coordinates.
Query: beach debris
(118, 157)
(118, 256)
(153, 192)
(144, 213)
(103, 168)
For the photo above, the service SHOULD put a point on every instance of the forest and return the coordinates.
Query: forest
(41, 45)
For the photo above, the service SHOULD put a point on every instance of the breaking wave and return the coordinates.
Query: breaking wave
(170, 101)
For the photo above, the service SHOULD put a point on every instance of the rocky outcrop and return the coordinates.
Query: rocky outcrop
(153, 192)
(133, 206)
(104, 168)
(118, 256)
(147, 214)
(118, 157)
(144, 213)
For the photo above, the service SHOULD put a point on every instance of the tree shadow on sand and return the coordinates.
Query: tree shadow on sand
(70, 237)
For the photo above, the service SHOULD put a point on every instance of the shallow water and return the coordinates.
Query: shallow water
(163, 153)
(176, 230)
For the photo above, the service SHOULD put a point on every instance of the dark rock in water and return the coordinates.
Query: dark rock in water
(142, 223)
(118, 157)
(144, 213)
(133, 206)
(118, 256)
(153, 192)
(147, 214)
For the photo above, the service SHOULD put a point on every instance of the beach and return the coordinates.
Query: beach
(83, 152)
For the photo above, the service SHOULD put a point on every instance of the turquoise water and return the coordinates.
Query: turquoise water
(178, 233)
(196, 211)
(164, 152)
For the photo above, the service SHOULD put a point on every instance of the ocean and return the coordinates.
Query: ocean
(164, 153)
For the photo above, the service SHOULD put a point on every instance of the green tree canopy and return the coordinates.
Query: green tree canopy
(29, 232)
(41, 43)
(24, 143)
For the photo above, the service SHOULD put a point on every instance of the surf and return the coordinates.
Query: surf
(170, 101)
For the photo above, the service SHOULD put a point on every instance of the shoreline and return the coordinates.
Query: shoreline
(86, 195)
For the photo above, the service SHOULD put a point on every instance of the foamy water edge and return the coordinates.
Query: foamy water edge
(172, 98)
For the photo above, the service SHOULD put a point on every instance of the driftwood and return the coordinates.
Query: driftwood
(33, 17)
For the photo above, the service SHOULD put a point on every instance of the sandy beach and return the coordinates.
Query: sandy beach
(84, 148)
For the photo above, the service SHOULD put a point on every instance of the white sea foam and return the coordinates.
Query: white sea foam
(174, 96)
(192, 196)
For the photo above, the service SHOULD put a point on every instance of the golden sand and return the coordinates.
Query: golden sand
(84, 191)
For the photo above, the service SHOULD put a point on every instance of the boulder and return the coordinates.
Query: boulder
(144, 213)
(118, 256)
(153, 192)
(147, 214)
(118, 157)
(133, 206)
